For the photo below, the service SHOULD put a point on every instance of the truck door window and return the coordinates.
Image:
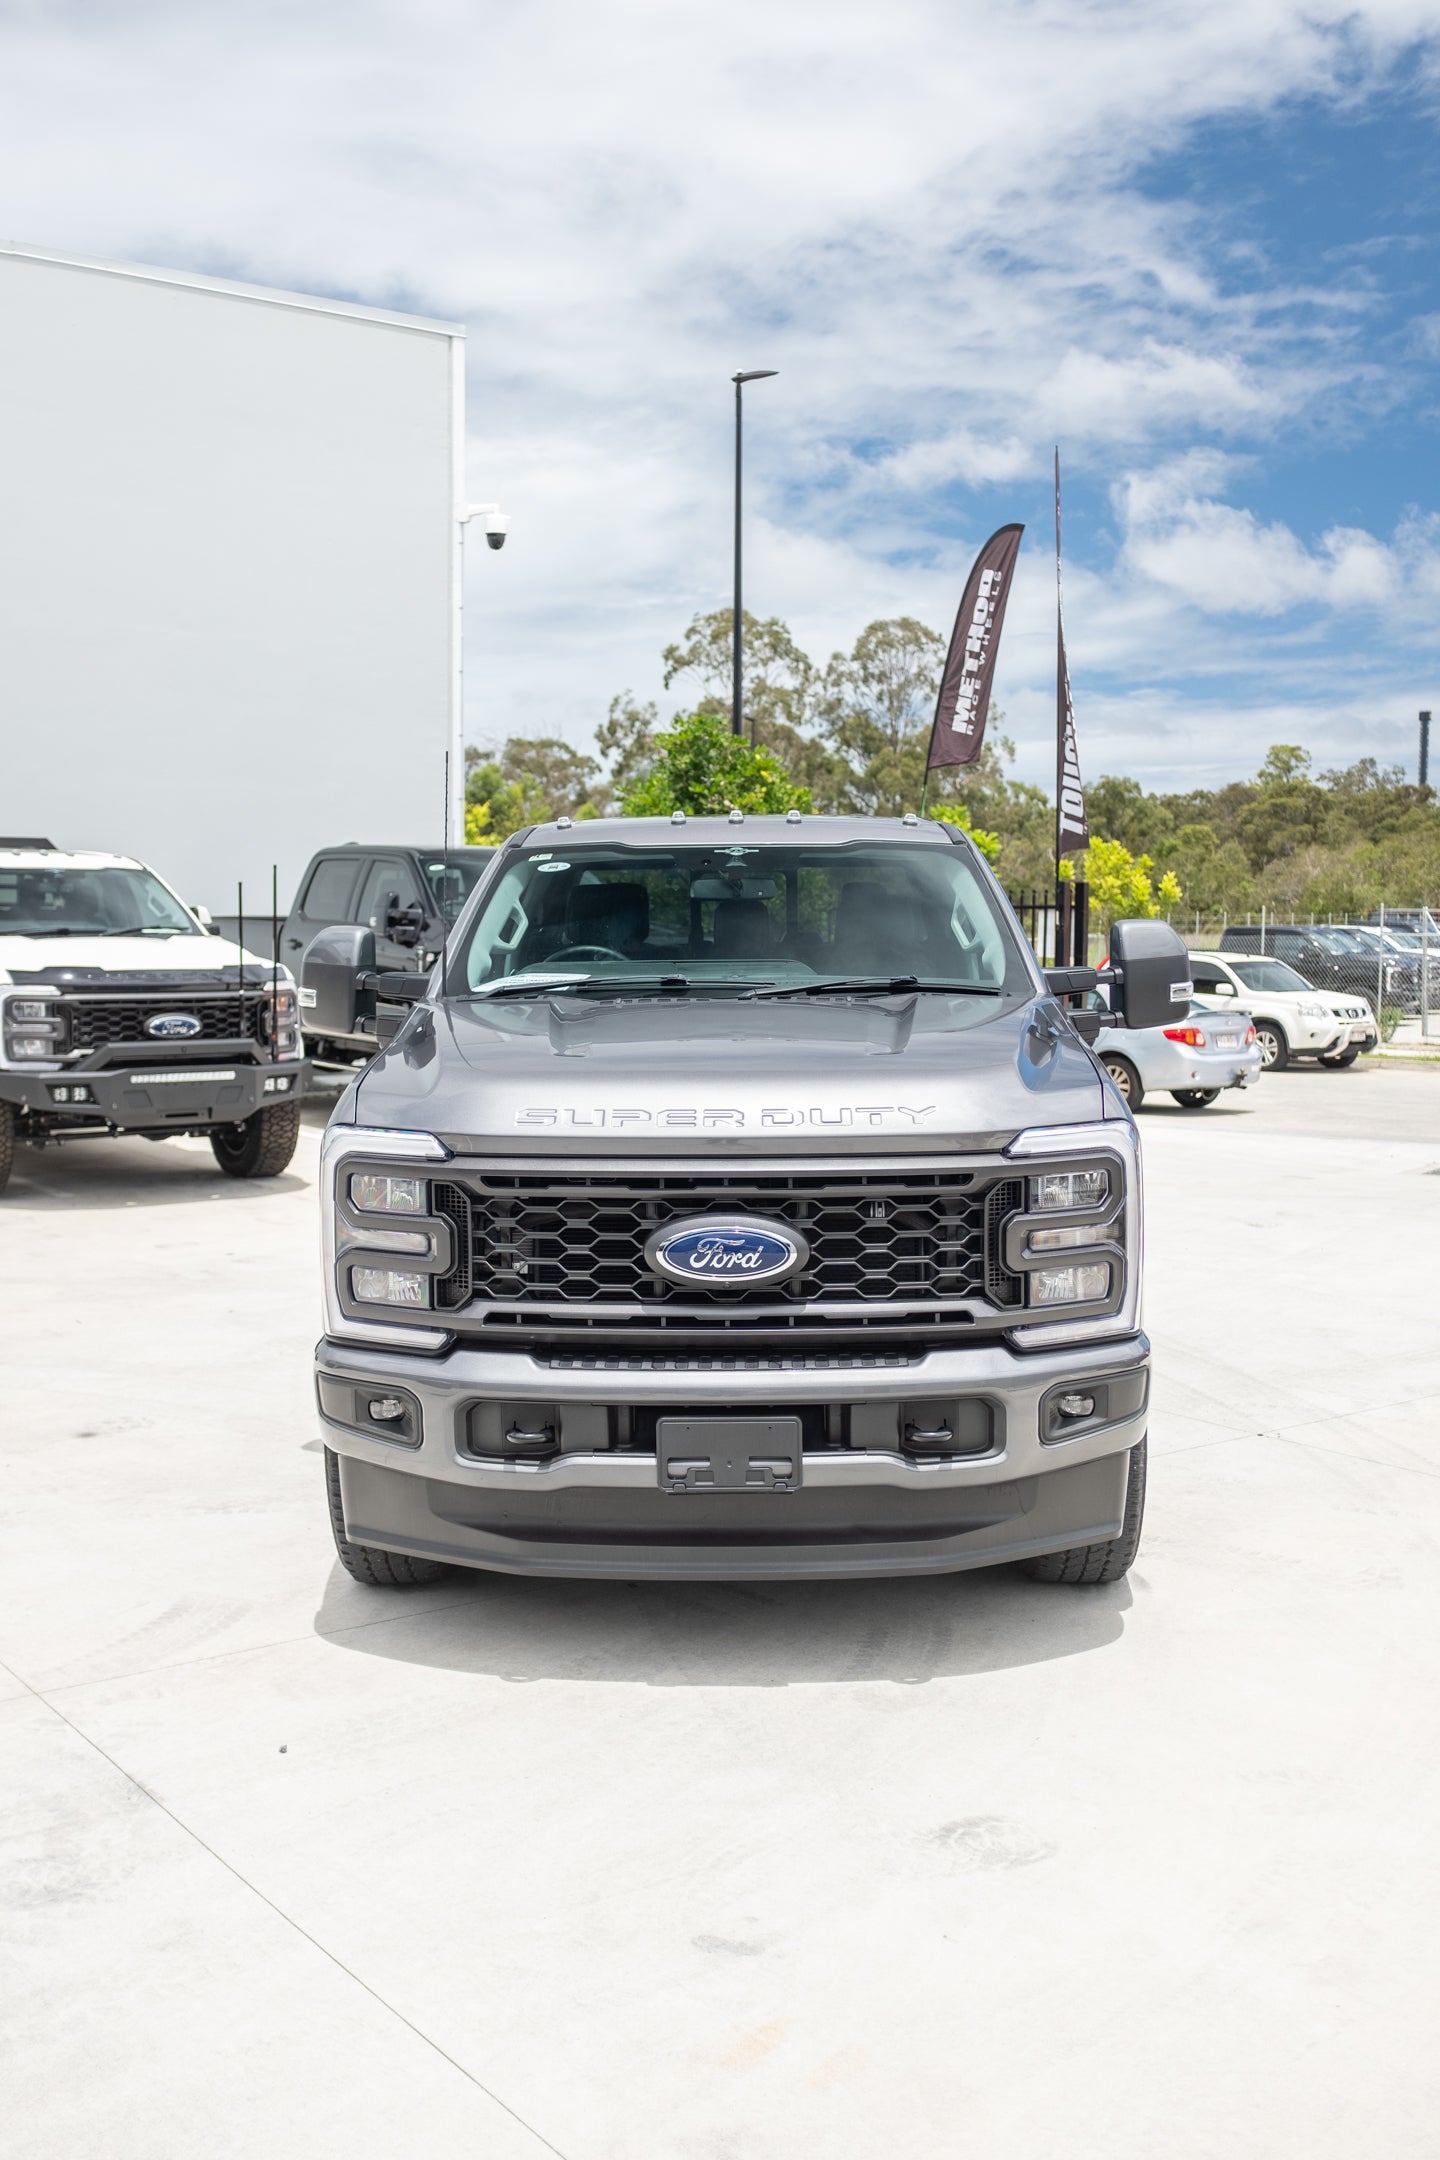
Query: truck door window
(390, 875)
(327, 895)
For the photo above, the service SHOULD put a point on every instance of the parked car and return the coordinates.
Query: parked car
(407, 895)
(120, 1012)
(1292, 1018)
(1329, 958)
(1194, 1058)
(1384, 950)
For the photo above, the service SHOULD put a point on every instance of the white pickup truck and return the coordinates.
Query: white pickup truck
(121, 1012)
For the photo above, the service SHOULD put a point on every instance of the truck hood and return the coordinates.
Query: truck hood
(651, 1076)
(39, 959)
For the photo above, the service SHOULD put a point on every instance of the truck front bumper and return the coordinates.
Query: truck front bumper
(154, 1098)
(1030, 1481)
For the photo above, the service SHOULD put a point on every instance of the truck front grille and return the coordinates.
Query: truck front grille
(224, 1016)
(566, 1252)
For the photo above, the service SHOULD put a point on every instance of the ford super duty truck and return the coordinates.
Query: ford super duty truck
(121, 1013)
(736, 1198)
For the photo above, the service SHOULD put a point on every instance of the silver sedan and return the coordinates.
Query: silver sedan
(1194, 1058)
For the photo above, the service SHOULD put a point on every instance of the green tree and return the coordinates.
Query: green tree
(989, 843)
(777, 678)
(704, 770)
(526, 781)
(1121, 883)
(1215, 875)
(877, 703)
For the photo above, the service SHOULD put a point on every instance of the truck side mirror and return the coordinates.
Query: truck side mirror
(1150, 971)
(404, 924)
(337, 981)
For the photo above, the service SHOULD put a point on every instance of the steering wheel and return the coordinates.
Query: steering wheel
(586, 952)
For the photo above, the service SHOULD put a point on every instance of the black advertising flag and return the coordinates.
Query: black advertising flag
(964, 701)
(1072, 827)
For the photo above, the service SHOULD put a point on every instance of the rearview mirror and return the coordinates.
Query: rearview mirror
(337, 982)
(1150, 971)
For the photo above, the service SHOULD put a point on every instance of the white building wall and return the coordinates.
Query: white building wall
(228, 608)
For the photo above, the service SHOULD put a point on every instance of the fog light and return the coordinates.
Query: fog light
(31, 1046)
(1075, 1405)
(1068, 1189)
(389, 1286)
(388, 1195)
(386, 1409)
(1069, 1285)
(278, 1084)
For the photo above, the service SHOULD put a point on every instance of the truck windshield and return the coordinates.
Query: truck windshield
(89, 903)
(738, 917)
(452, 879)
(1268, 975)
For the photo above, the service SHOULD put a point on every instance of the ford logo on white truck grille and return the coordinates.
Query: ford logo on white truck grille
(169, 1026)
(726, 1251)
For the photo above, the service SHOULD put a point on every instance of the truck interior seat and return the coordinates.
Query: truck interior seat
(617, 915)
(742, 930)
(874, 929)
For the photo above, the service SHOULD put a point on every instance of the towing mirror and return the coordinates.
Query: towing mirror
(1149, 972)
(337, 982)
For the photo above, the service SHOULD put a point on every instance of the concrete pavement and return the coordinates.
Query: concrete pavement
(958, 1866)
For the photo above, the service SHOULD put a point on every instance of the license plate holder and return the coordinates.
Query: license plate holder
(1227, 1042)
(728, 1455)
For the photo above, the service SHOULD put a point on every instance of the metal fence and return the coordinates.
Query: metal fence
(1391, 958)
(1057, 923)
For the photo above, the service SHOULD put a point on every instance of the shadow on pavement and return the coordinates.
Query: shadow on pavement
(931, 1627)
(110, 1173)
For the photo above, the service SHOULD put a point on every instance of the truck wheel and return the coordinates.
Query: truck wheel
(1274, 1045)
(1336, 1058)
(1125, 1077)
(262, 1146)
(368, 1563)
(7, 1142)
(1195, 1098)
(1100, 1563)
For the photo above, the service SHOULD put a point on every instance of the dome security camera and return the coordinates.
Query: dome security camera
(496, 523)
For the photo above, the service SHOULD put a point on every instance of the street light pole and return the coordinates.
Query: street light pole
(736, 678)
(497, 524)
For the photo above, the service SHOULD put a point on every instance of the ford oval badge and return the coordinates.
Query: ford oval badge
(168, 1026)
(726, 1252)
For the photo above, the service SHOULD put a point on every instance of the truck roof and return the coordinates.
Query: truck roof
(39, 855)
(774, 831)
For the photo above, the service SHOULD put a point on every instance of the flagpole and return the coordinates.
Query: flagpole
(1059, 667)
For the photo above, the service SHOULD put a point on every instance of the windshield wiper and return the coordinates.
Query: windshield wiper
(872, 985)
(137, 929)
(547, 985)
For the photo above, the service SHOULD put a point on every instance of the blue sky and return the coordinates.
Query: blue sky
(1197, 249)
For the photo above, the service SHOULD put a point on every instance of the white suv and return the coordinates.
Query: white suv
(1292, 1019)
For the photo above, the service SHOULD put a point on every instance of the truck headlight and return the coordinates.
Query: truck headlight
(1083, 1273)
(389, 1286)
(34, 1028)
(381, 1195)
(378, 1275)
(1070, 1285)
(1055, 1189)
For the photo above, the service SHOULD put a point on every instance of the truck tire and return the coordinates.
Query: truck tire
(7, 1142)
(1334, 1059)
(1125, 1077)
(262, 1146)
(368, 1563)
(1195, 1098)
(1104, 1563)
(1274, 1045)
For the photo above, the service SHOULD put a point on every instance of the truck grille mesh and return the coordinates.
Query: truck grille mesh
(224, 1016)
(566, 1246)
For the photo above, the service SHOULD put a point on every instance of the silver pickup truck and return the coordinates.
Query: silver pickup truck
(735, 1198)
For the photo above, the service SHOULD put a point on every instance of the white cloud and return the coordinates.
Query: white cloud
(923, 215)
